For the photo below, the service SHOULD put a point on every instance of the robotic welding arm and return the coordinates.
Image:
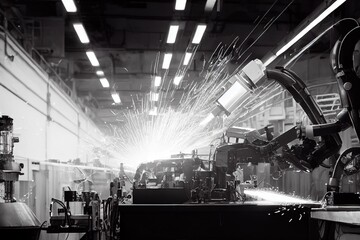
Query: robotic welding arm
(304, 158)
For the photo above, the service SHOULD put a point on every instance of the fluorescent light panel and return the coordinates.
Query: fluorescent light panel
(310, 26)
(177, 79)
(187, 58)
(173, 30)
(100, 73)
(209, 5)
(69, 5)
(104, 82)
(154, 97)
(200, 30)
(116, 97)
(180, 5)
(80, 31)
(92, 58)
(157, 81)
(166, 60)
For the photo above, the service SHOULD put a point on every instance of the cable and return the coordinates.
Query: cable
(43, 224)
(67, 213)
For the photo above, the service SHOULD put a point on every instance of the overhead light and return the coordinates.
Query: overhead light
(116, 97)
(100, 73)
(153, 111)
(80, 31)
(154, 96)
(209, 5)
(104, 82)
(92, 58)
(310, 26)
(187, 58)
(69, 5)
(167, 60)
(180, 4)
(173, 30)
(157, 81)
(199, 32)
(177, 79)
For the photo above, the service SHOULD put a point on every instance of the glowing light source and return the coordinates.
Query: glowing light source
(80, 31)
(69, 5)
(209, 5)
(243, 81)
(166, 60)
(116, 97)
(157, 81)
(100, 73)
(199, 32)
(180, 5)
(207, 119)
(229, 100)
(104, 82)
(270, 60)
(177, 79)
(153, 111)
(310, 26)
(273, 196)
(173, 30)
(187, 58)
(154, 96)
(92, 58)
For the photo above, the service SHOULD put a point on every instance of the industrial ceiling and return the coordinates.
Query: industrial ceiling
(129, 38)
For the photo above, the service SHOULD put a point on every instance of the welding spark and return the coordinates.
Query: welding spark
(143, 137)
(276, 197)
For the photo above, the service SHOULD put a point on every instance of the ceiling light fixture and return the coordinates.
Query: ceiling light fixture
(157, 81)
(200, 30)
(69, 5)
(154, 96)
(80, 31)
(153, 111)
(177, 80)
(209, 5)
(180, 5)
(100, 73)
(310, 26)
(167, 60)
(116, 97)
(104, 82)
(187, 58)
(173, 30)
(92, 58)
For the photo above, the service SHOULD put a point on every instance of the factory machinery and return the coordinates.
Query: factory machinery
(190, 198)
(185, 183)
(83, 212)
(16, 219)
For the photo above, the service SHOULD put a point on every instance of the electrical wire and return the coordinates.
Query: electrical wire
(41, 226)
(67, 212)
